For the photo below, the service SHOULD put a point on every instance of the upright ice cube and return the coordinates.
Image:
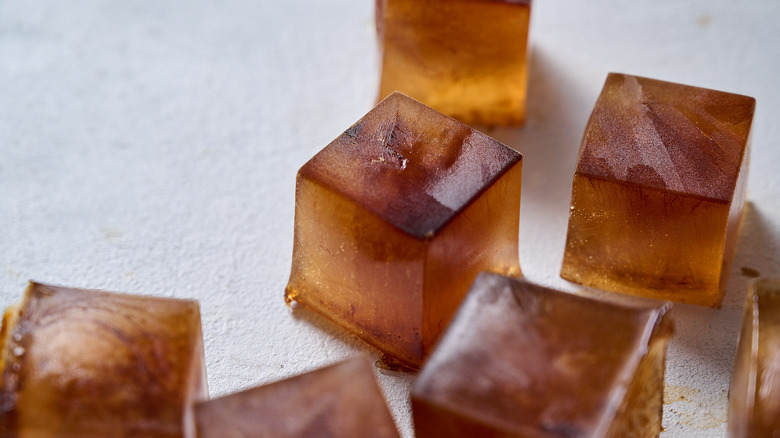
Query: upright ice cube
(754, 396)
(521, 360)
(340, 401)
(83, 363)
(465, 58)
(395, 218)
(659, 190)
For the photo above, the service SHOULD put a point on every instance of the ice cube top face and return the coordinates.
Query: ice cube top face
(522, 360)
(466, 58)
(667, 136)
(340, 401)
(410, 165)
(659, 190)
(79, 363)
(754, 396)
(395, 218)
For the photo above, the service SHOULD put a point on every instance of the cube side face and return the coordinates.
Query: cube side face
(754, 400)
(358, 271)
(341, 400)
(92, 363)
(197, 381)
(742, 390)
(768, 380)
(534, 361)
(467, 59)
(641, 412)
(642, 241)
(482, 237)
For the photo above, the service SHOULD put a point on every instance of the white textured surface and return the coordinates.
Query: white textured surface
(151, 147)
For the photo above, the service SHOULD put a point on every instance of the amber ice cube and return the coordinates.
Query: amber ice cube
(339, 401)
(395, 218)
(754, 396)
(465, 58)
(659, 190)
(522, 360)
(84, 363)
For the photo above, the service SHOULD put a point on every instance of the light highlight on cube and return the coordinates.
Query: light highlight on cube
(521, 360)
(84, 363)
(754, 395)
(465, 58)
(395, 218)
(659, 190)
(339, 401)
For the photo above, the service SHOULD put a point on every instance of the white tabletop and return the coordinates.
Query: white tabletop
(151, 147)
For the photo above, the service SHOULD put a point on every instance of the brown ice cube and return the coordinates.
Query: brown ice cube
(395, 218)
(659, 190)
(465, 58)
(522, 360)
(339, 401)
(84, 363)
(754, 396)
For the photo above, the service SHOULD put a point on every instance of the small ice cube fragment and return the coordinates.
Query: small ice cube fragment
(396, 217)
(754, 396)
(339, 401)
(659, 190)
(85, 363)
(521, 360)
(465, 58)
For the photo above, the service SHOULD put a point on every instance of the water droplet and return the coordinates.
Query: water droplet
(18, 351)
(18, 337)
(16, 367)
